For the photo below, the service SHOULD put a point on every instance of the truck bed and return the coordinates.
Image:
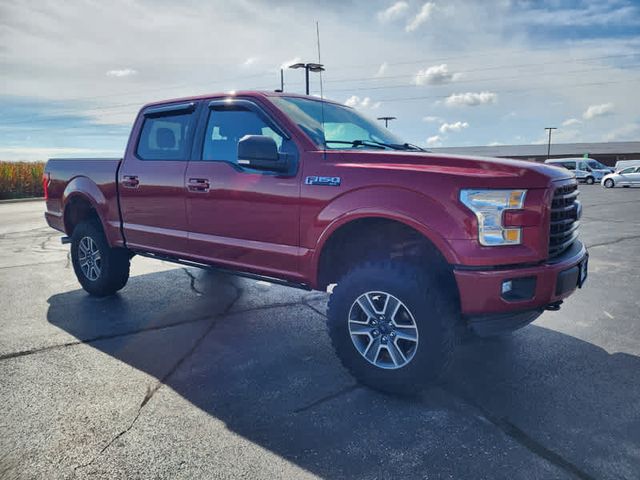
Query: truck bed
(88, 179)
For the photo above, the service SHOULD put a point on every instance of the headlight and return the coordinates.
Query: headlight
(488, 206)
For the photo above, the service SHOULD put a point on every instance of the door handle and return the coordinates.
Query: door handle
(199, 185)
(130, 181)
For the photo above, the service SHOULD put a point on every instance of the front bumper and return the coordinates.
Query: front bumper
(481, 290)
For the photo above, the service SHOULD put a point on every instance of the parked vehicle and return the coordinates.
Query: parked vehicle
(418, 247)
(629, 177)
(581, 168)
(622, 164)
(596, 165)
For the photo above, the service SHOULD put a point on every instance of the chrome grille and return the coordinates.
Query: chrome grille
(565, 213)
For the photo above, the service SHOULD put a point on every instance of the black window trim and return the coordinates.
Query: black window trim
(167, 111)
(172, 109)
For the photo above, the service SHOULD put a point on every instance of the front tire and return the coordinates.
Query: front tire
(393, 326)
(590, 180)
(608, 183)
(100, 269)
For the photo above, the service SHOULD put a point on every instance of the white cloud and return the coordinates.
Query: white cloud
(571, 121)
(434, 141)
(382, 69)
(432, 119)
(357, 102)
(471, 99)
(394, 12)
(423, 15)
(249, 61)
(453, 127)
(435, 75)
(124, 72)
(598, 111)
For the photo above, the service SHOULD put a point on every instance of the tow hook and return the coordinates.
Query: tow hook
(554, 307)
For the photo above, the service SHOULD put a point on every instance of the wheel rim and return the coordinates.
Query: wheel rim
(589, 181)
(608, 183)
(383, 330)
(89, 258)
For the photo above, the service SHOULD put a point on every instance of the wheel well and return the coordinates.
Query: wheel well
(78, 210)
(379, 239)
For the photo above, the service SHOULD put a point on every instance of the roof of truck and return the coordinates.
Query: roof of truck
(238, 93)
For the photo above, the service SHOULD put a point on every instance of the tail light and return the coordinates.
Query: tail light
(45, 184)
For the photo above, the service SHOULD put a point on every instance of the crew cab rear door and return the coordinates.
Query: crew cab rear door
(239, 217)
(151, 179)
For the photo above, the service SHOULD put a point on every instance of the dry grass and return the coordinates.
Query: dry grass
(21, 179)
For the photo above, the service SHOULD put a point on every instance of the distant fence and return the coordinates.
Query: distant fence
(21, 179)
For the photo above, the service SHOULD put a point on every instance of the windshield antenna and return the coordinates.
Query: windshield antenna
(324, 140)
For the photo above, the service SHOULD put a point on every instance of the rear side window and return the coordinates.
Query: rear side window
(225, 128)
(165, 137)
(569, 165)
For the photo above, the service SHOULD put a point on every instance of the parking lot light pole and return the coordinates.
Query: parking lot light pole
(549, 144)
(386, 120)
(308, 67)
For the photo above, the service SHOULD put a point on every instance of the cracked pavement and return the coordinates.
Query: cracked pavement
(193, 374)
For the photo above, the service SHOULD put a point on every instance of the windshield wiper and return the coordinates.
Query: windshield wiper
(375, 144)
(411, 146)
(360, 143)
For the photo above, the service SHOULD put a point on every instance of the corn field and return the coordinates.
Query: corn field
(21, 179)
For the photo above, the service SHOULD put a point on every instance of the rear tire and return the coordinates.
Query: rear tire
(609, 183)
(100, 269)
(410, 321)
(590, 180)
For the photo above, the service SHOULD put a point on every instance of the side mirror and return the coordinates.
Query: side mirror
(260, 152)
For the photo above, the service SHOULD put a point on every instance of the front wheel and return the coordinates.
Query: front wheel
(590, 180)
(608, 183)
(100, 269)
(392, 326)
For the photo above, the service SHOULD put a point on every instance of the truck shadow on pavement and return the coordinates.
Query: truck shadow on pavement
(268, 372)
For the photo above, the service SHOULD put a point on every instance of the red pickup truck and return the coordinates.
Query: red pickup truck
(415, 247)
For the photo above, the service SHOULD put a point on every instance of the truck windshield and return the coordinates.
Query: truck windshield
(344, 127)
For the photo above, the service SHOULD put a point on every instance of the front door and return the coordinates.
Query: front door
(151, 179)
(239, 217)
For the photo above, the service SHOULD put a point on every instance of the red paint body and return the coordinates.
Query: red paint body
(277, 225)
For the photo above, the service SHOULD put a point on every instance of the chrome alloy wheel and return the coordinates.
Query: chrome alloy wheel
(89, 258)
(383, 330)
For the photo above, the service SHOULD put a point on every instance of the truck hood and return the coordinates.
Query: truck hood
(479, 170)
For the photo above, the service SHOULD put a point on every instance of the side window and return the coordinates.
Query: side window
(165, 137)
(225, 128)
(569, 165)
(627, 170)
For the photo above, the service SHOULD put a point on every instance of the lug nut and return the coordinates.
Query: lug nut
(375, 333)
(392, 334)
(384, 338)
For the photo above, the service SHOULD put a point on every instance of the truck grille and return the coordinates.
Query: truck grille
(565, 212)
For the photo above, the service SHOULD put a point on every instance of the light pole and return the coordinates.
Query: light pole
(386, 120)
(308, 67)
(549, 144)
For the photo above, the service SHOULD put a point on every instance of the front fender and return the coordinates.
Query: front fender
(414, 209)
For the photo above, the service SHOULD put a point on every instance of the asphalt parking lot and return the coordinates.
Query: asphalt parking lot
(190, 374)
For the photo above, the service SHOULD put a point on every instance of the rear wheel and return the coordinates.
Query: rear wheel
(590, 180)
(100, 269)
(608, 183)
(392, 326)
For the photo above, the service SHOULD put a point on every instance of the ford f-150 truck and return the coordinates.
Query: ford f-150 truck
(416, 248)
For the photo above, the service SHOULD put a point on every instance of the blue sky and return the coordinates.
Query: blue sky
(73, 74)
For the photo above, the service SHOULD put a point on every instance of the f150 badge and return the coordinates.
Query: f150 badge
(326, 181)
